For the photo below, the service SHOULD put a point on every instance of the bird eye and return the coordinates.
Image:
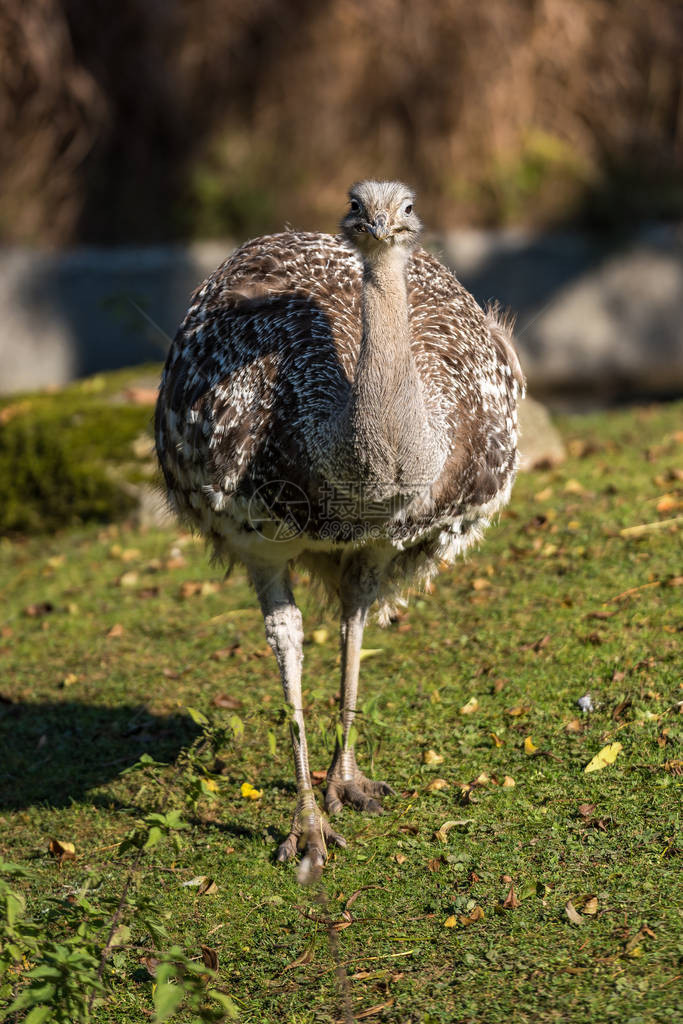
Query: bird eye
(408, 208)
(355, 206)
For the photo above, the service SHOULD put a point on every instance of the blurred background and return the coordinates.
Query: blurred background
(140, 141)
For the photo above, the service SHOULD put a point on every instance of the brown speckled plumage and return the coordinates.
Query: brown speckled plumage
(265, 362)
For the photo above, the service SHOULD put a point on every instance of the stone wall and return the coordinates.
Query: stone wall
(595, 322)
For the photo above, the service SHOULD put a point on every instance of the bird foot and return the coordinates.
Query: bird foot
(347, 785)
(311, 833)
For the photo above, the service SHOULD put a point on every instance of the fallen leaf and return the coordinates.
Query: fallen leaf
(590, 906)
(318, 776)
(450, 921)
(586, 810)
(207, 888)
(62, 850)
(320, 636)
(305, 958)
(470, 707)
(70, 679)
(604, 757)
(442, 833)
(573, 487)
(476, 914)
(224, 700)
(431, 757)
(210, 957)
(544, 495)
(529, 746)
(116, 630)
(248, 791)
(222, 655)
(517, 710)
(508, 782)
(572, 913)
(496, 739)
(481, 583)
(573, 726)
(668, 503)
(437, 784)
(370, 652)
(511, 902)
(400, 858)
(128, 579)
(34, 611)
(435, 864)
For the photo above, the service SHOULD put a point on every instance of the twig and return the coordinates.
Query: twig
(339, 969)
(114, 924)
(633, 590)
(644, 528)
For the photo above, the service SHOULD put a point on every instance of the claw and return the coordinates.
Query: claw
(358, 792)
(311, 832)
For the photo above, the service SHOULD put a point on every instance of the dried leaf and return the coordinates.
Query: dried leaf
(573, 726)
(437, 784)
(116, 630)
(511, 902)
(305, 958)
(586, 810)
(517, 710)
(496, 739)
(590, 906)
(62, 850)
(476, 914)
(529, 746)
(370, 652)
(481, 583)
(442, 833)
(320, 636)
(431, 757)
(128, 579)
(35, 611)
(450, 921)
(508, 782)
(572, 913)
(224, 700)
(573, 487)
(604, 757)
(400, 858)
(470, 707)
(210, 957)
(207, 888)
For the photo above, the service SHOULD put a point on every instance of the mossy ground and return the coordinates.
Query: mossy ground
(556, 603)
(69, 457)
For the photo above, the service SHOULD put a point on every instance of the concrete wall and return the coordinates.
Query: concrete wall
(592, 320)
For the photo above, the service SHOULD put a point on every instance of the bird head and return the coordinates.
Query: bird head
(380, 216)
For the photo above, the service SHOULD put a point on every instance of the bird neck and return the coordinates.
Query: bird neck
(387, 426)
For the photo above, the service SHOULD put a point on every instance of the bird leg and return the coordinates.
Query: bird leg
(310, 830)
(346, 784)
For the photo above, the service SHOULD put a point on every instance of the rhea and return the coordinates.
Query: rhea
(339, 403)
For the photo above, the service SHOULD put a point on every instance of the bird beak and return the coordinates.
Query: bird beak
(379, 228)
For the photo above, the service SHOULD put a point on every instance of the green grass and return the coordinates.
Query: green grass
(555, 603)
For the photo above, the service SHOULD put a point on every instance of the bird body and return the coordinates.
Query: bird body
(344, 403)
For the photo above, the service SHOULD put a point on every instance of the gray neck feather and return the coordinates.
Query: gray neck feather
(383, 436)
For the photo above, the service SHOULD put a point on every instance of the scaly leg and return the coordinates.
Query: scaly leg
(346, 784)
(284, 631)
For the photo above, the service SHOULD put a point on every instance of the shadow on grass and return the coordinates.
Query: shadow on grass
(54, 753)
